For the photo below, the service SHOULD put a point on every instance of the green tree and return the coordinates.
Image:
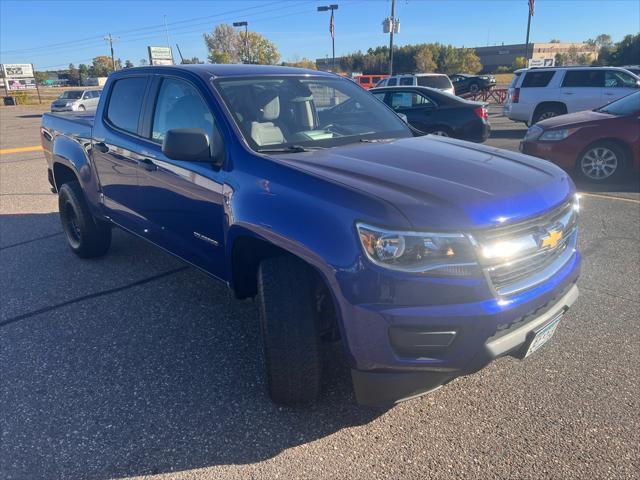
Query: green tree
(101, 66)
(301, 63)
(222, 44)
(627, 51)
(469, 61)
(74, 75)
(255, 48)
(143, 62)
(128, 64)
(519, 62)
(424, 60)
(83, 73)
(554, 40)
(186, 61)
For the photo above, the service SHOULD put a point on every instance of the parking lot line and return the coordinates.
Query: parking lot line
(34, 148)
(609, 197)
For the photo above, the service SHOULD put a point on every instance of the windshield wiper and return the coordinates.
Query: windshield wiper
(289, 149)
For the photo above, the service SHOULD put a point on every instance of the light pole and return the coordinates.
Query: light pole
(332, 30)
(246, 38)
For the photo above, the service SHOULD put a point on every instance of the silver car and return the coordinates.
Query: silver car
(76, 100)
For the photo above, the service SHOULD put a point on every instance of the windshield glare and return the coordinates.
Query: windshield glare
(278, 112)
(628, 105)
(71, 95)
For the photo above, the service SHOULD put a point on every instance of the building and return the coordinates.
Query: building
(504, 55)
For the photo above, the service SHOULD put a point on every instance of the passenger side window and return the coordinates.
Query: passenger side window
(393, 82)
(583, 78)
(615, 79)
(406, 81)
(125, 103)
(179, 105)
(537, 79)
(408, 100)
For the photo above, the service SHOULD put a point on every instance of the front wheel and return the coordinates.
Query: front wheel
(289, 327)
(87, 236)
(601, 161)
(82, 108)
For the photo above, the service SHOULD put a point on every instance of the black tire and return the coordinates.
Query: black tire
(547, 111)
(87, 237)
(82, 108)
(601, 162)
(289, 330)
(474, 88)
(441, 131)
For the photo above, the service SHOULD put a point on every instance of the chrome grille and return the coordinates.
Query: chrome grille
(545, 243)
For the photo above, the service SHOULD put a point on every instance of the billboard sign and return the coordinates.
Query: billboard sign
(542, 62)
(14, 84)
(17, 70)
(160, 56)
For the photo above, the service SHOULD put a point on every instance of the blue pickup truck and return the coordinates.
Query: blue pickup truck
(426, 257)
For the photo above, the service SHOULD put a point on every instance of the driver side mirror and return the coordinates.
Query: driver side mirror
(188, 144)
(403, 117)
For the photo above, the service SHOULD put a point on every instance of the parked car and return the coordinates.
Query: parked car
(466, 83)
(599, 144)
(432, 80)
(368, 81)
(76, 100)
(539, 93)
(426, 257)
(432, 111)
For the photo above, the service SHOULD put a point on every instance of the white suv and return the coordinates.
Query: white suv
(433, 80)
(539, 93)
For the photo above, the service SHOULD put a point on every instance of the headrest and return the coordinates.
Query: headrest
(269, 105)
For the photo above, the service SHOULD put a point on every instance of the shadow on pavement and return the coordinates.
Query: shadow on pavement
(511, 134)
(630, 184)
(163, 375)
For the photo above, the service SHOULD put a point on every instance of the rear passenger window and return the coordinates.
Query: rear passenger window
(125, 103)
(392, 82)
(537, 79)
(583, 78)
(406, 81)
(615, 79)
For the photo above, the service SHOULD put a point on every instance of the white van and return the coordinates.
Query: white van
(539, 93)
(433, 80)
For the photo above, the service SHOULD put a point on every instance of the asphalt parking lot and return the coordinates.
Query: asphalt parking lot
(136, 365)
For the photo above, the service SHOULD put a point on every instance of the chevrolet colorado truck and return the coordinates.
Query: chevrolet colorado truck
(426, 257)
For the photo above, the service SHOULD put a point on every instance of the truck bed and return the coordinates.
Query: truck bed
(75, 124)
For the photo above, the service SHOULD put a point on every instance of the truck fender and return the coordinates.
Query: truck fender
(73, 153)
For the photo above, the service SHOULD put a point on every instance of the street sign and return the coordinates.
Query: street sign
(542, 62)
(160, 56)
(17, 70)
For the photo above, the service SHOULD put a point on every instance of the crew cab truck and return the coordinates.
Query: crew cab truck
(426, 257)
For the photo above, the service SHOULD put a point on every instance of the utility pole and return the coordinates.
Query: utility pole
(166, 33)
(332, 30)
(526, 47)
(246, 38)
(110, 39)
(391, 30)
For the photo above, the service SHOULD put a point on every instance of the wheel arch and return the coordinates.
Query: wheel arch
(548, 103)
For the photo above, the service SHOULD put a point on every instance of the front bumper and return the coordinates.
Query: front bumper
(379, 388)
(562, 153)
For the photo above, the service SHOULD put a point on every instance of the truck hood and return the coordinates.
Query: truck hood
(440, 183)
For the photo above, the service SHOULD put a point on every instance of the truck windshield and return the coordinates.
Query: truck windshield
(277, 113)
(629, 105)
(71, 95)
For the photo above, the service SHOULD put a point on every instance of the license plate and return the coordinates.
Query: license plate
(543, 334)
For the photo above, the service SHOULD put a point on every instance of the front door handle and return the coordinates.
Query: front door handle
(148, 164)
(101, 147)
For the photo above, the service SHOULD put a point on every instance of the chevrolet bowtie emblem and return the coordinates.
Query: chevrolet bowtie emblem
(551, 239)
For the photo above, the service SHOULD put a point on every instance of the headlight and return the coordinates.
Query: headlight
(68, 104)
(533, 133)
(448, 254)
(557, 135)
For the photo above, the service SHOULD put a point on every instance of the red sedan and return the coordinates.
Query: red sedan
(599, 144)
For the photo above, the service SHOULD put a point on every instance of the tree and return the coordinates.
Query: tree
(187, 61)
(128, 64)
(222, 44)
(143, 62)
(301, 63)
(83, 73)
(554, 40)
(469, 61)
(226, 45)
(74, 75)
(101, 66)
(424, 60)
(519, 62)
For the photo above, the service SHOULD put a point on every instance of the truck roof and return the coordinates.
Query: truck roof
(229, 70)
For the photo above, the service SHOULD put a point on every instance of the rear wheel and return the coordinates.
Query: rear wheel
(82, 108)
(87, 237)
(601, 161)
(474, 88)
(441, 132)
(547, 111)
(289, 327)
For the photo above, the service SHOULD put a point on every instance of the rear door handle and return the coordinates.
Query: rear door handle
(148, 164)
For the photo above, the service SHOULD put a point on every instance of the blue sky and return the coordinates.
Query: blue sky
(51, 34)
